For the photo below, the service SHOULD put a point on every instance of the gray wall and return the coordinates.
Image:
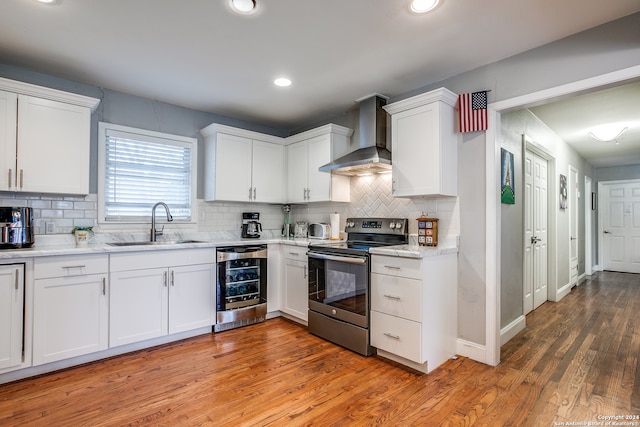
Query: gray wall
(603, 49)
(130, 110)
(600, 50)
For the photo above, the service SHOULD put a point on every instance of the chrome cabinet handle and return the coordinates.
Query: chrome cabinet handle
(254, 193)
(392, 297)
(104, 286)
(17, 279)
(345, 259)
(250, 193)
(164, 279)
(305, 271)
(10, 176)
(395, 337)
(173, 282)
(21, 178)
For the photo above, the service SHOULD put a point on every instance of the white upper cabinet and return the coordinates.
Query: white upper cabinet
(243, 166)
(52, 139)
(424, 145)
(305, 154)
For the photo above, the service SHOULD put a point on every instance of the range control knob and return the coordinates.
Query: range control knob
(392, 225)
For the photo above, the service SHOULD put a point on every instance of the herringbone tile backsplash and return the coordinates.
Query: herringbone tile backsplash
(371, 197)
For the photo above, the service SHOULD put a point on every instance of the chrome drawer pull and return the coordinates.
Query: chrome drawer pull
(392, 297)
(395, 337)
(293, 253)
(73, 266)
(393, 267)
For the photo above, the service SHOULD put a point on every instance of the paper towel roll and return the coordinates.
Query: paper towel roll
(334, 219)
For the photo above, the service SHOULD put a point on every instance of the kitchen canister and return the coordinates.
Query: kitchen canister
(334, 220)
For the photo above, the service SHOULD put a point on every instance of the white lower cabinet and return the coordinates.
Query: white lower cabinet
(71, 307)
(11, 314)
(150, 300)
(295, 295)
(413, 309)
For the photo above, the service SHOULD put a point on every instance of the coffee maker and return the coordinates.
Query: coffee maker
(251, 227)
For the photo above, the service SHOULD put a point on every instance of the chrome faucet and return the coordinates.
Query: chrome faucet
(155, 233)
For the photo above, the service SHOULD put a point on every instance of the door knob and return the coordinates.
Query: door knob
(607, 232)
(535, 240)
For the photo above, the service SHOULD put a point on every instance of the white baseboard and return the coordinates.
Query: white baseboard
(562, 292)
(477, 352)
(512, 329)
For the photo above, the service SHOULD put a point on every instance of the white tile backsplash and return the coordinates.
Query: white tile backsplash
(370, 197)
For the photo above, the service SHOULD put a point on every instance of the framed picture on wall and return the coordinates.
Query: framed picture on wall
(507, 185)
(563, 192)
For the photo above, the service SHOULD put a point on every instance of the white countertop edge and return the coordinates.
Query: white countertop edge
(446, 246)
(407, 251)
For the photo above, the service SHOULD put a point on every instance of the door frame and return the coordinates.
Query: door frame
(530, 145)
(573, 194)
(490, 352)
(588, 212)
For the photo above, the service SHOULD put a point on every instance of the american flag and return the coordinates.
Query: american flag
(472, 108)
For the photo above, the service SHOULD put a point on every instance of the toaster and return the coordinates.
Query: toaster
(319, 230)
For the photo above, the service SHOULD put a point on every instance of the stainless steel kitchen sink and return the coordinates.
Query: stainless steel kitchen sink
(149, 243)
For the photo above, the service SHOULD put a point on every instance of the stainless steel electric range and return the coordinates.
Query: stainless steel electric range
(339, 285)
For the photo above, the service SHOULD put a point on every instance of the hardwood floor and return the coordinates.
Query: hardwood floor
(576, 361)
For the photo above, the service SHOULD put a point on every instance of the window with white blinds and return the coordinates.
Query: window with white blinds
(140, 168)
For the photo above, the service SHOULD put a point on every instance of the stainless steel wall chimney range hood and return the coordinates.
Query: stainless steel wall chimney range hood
(372, 155)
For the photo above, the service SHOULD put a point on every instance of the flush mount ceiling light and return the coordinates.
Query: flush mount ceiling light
(608, 132)
(422, 6)
(243, 6)
(48, 1)
(282, 82)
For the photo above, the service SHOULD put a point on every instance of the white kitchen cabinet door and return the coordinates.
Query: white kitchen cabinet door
(11, 314)
(233, 168)
(424, 145)
(53, 141)
(297, 168)
(191, 297)
(8, 117)
(319, 155)
(139, 302)
(295, 296)
(267, 176)
(70, 317)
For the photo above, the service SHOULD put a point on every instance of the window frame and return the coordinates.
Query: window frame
(179, 140)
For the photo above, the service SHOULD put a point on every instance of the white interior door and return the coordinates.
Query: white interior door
(536, 231)
(619, 214)
(573, 195)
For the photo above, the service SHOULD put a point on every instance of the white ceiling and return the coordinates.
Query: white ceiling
(572, 119)
(198, 54)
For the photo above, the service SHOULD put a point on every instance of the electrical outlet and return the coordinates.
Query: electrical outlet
(51, 227)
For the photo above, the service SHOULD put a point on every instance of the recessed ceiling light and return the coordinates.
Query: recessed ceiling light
(243, 6)
(422, 6)
(282, 81)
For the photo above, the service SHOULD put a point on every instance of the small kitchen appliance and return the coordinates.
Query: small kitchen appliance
(16, 225)
(251, 227)
(339, 281)
(319, 230)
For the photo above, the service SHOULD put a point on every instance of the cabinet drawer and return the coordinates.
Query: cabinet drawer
(398, 336)
(298, 253)
(397, 296)
(67, 266)
(397, 266)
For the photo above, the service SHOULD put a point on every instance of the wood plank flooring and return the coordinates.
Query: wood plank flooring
(576, 361)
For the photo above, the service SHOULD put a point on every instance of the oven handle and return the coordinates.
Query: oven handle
(350, 260)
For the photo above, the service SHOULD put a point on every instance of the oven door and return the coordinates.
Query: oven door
(339, 287)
